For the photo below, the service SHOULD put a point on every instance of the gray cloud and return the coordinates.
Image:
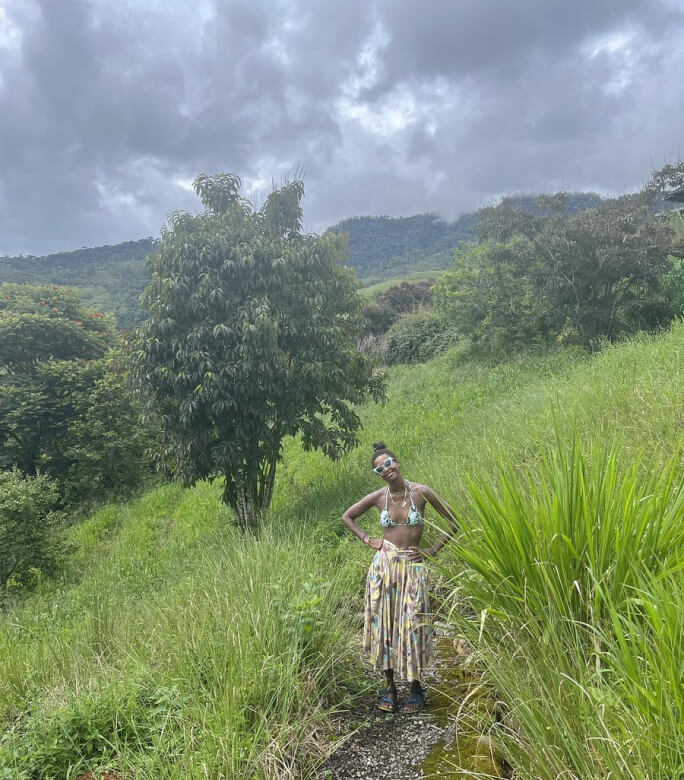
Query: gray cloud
(108, 110)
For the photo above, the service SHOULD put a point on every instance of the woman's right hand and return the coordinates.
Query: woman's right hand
(374, 544)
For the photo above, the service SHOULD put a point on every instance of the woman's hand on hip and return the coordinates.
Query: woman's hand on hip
(374, 544)
(418, 554)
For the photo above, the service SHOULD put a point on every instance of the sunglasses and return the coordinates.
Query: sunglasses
(385, 465)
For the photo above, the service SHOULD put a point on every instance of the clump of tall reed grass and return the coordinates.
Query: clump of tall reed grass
(574, 600)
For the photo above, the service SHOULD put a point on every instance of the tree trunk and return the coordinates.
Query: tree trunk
(250, 502)
(247, 513)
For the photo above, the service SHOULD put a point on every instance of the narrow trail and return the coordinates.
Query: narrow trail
(443, 741)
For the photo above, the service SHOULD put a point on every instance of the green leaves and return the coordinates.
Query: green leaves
(39, 323)
(64, 407)
(27, 542)
(251, 337)
(549, 276)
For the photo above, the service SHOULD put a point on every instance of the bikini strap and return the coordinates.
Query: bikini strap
(408, 485)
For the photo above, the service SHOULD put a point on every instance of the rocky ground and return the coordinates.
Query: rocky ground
(386, 745)
(416, 746)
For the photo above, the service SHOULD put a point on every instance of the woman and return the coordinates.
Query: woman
(397, 630)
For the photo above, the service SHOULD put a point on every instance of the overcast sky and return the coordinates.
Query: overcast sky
(109, 109)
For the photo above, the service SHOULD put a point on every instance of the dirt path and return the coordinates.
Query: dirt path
(431, 744)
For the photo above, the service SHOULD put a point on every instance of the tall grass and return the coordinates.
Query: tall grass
(188, 649)
(575, 581)
(174, 647)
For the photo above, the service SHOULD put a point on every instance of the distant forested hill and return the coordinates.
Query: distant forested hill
(387, 247)
(110, 278)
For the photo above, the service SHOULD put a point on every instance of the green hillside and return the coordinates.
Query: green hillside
(394, 246)
(173, 647)
(373, 290)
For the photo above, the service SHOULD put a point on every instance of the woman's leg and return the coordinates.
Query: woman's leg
(389, 677)
(388, 700)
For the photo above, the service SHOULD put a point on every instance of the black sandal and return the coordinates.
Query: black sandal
(415, 702)
(388, 700)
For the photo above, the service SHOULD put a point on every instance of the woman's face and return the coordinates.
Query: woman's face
(390, 467)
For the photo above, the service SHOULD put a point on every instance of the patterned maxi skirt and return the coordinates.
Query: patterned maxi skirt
(398, 625)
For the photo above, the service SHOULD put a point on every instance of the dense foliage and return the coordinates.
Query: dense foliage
(551, 276)
(399, 299)
(417, 337)
(64, 408)
(27, 542)
(109, 278)
(251, 337)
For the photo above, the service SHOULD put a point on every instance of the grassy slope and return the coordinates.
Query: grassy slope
(183, 645)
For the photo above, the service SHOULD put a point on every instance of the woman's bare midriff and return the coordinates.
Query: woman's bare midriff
(404, 536)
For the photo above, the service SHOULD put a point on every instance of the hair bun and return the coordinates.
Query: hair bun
(378, 445)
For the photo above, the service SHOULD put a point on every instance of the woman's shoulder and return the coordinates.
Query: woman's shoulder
(419, 487)
(375, 496)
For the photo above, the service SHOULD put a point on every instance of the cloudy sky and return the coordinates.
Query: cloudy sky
(109, 108)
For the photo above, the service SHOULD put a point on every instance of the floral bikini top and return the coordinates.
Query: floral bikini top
(414, 517)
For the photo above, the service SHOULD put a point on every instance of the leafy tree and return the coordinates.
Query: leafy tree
(673, 285)
(40, 323)
(251, 337)
(546, 274)
(668, 179)
(495, 296)
(64, 408)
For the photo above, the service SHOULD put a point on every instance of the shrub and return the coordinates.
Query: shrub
(552, 276)
(417, 337)
(27, 538)
(399, 299)
(65, 409)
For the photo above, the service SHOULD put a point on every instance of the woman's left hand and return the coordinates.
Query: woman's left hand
(417, 554)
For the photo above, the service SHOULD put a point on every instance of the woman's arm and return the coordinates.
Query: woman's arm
(445, 511)
(356, 510)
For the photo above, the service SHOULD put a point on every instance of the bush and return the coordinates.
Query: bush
(399, 299)
(417, 337)
(27, 527)
(77, 422)
(551, 276)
